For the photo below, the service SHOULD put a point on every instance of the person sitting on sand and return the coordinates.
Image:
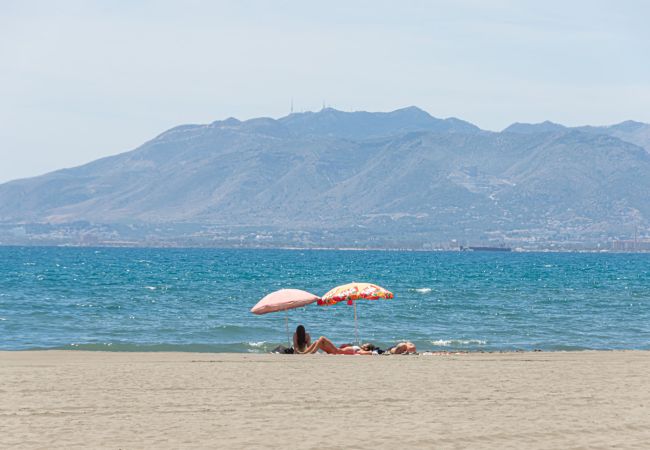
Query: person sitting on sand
(302, 344)
(402, 347)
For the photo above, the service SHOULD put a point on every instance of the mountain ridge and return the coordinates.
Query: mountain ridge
(396, 178)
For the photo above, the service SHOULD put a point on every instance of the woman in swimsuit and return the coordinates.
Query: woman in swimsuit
(363, 349)
(302, 344)
(402, 347)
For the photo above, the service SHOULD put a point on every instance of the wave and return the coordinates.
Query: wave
(421, 290)
(458, 342)
(236, 347)
(469, 345)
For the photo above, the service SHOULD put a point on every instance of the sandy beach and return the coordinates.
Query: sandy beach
(70, 399)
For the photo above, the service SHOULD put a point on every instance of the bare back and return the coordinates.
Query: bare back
(301, 349)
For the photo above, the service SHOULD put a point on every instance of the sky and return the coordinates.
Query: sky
(80, 80)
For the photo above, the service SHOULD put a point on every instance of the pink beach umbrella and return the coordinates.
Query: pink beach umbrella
(284, 300)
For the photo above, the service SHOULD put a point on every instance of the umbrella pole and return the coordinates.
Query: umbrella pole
(286, 325)
(356, 327)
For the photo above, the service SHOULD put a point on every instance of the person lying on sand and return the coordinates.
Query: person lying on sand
(402, 347)
(302, 344)
(405, 347)
(363, 349)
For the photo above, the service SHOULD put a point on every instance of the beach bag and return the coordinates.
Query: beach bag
(282, 349)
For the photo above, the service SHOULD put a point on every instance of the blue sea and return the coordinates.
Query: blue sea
(199, 299)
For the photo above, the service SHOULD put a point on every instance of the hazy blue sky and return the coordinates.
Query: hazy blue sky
(83, 79)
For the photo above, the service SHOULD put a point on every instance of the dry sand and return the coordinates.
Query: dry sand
(70, 399)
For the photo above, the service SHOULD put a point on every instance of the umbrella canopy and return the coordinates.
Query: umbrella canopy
(283, 300)
(352, 292)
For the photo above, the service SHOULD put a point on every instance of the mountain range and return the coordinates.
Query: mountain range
(334, 178)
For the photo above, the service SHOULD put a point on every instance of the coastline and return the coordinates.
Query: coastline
(80, 399)
(187, 246)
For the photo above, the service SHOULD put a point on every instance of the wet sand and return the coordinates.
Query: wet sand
(70, 399)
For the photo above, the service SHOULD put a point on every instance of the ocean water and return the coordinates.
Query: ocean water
(199, 299)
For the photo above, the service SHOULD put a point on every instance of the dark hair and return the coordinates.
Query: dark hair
(301, 337)
(368, 347)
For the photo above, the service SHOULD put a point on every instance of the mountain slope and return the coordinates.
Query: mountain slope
(637, 133)
(404, 176)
